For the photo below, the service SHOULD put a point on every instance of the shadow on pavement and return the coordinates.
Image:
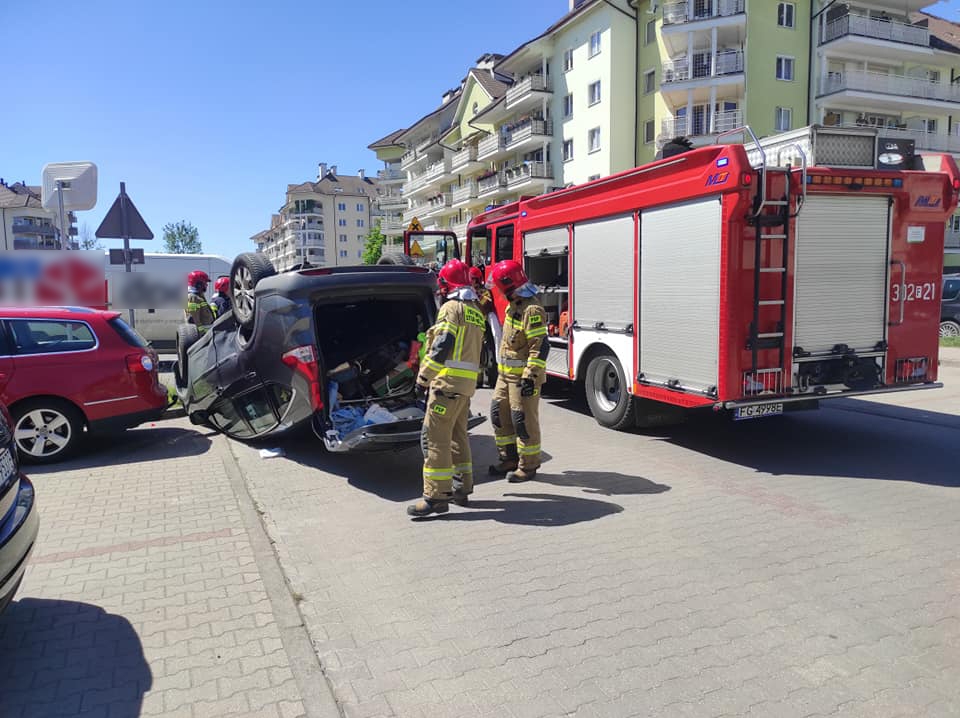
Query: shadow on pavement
(605, 483)
(142, 444)
(544, 510)
(62, 658)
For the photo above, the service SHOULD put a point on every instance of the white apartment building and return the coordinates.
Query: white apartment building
(390, 202)
(323, 223)
(25, 224)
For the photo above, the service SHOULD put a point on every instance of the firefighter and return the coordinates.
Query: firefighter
(523, 364)
(221, 299)
(198, 311)
(447, 379)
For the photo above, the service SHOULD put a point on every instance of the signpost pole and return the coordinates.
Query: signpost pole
(64, 238)
(127, 264)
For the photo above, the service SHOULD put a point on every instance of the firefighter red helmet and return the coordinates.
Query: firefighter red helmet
(476, 275)
(199, 279)
(508, 275)
(453, 275)
(222, 285)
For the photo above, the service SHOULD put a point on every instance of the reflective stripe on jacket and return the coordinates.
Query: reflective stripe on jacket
(524, 347)
(452, 361)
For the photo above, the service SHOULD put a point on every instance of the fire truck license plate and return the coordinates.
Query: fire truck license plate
(755, 412)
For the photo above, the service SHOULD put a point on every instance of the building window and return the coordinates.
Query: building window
(342, 206)
(360, 222)
(593, 140)
(476, 108)
(649, 81)
(784, 119)
(568, 106)
(595, 44)
(567, 60)
(955, 225)
(343, 253)
(651, 36)
(342, 222)
(648, 132)
(785, 68)
(359, 206)
(785, 14)
(343, 238)
(359, 254)
(591, 178)
(567, 150)
(593, 92)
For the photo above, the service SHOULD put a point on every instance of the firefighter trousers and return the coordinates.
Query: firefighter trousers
(446, 446)
(516, 424)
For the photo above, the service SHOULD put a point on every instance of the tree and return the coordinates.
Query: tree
(87, 240)
(181, 238)
(373, 247)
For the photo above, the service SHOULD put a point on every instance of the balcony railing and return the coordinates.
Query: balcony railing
(728, 62)
(917, 89)
(721, 122)
(390, 175)
(490, 184)
(528, 171)
(442, 200)
(490, 146)
(391, 200)
(675, 13)
(922, 140)
(22, 226)
(464, 157)
(437, 169)
(408, 159)
(531, 128)
(465, 192)
(877, 29)
(534, 83)
(952, 240)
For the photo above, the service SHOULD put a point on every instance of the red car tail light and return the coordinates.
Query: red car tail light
(304, 360)
(139, 363)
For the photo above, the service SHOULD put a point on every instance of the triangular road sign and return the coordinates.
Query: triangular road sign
(112, 225)
(415, 250)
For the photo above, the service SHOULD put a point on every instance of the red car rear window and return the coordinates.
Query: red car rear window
(130, 335)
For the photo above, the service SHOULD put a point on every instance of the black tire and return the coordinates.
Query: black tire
(488, 364)
(187, 336)
(5, 601)
(56, 427)
(606, 388)
(949, 328)
(401, 259)
(247, 271)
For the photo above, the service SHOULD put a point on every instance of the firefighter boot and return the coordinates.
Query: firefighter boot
(509, 460)
(521, 475)
(460, 495)
(425, 507)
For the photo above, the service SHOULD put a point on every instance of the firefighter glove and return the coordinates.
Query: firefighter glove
(527, 387)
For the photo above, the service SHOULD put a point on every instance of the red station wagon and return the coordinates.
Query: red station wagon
(66, 370)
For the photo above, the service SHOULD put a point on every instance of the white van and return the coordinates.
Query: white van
(157, 291)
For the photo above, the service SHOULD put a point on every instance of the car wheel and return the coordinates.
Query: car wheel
(46, 430)
(187, 336)
(606, 387)
(5, 600)
(949, 329)
(395, 259)
(247, 271)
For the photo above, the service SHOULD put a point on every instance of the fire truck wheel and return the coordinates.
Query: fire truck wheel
(606, 387)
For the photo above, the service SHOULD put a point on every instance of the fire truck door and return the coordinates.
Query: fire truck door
(840, 295)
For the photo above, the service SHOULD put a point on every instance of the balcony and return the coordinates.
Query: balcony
(436, 205)
(678, 13)
(464, 193)
(391, 226)
(876, 29)
(528, 134)
(391, 176)
(704, 65)
(465, 160)
(408, 160)
(391, 201)
(898, 90)
(436, 171)
(491, 186)
(527, 174)
(418, 210)
(491, 147)
(527, 93)
(26, 225)
(720, 122)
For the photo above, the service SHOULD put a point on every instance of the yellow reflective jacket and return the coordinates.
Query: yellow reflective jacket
(524, 347)
(452, 361)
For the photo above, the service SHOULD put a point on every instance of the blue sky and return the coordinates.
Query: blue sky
(208, 109)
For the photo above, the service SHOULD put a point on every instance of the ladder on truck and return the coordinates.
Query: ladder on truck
(771, 218)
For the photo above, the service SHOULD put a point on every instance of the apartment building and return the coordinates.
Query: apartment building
(323, 223)
(25, 224)
(390, 201)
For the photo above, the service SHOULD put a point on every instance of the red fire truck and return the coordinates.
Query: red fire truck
(754, 277)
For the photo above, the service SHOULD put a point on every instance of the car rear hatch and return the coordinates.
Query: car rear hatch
(368, 338)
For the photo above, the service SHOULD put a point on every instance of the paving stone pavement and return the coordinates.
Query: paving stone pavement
(143, 596)
(805, 565)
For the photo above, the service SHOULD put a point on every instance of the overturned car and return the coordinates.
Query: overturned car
(333, 348)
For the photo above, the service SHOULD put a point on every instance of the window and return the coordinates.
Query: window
(359, 206)
(567, 150)
(649, 81)
(42, 336)
(567, 60)
(784, 119)
(224, 417)
(648, 132)
(595, 44)
(651, 34)
(361, 238)
(785, 14)
(359, 254)
(591, 178)
(593, 93)
(343, 253)
(784, 68)
(343, 238)
(360, 222)
(130, 335)
(951, 289)
(256, 408)
(505, 242)
(593, 140)
(568, 106)
(342, 222)
(342, 206)
(955, 227)
(476, 108)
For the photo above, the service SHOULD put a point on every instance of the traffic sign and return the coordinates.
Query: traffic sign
(123, 221)
(415, 250)
(415, 225)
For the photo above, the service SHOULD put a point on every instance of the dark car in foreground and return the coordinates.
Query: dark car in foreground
(330, 348)
(950, 306)
(18, 514)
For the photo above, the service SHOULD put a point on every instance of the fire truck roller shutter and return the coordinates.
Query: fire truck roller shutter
(841, 273)
(546, 241)
(603, 281)
(680, 294)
